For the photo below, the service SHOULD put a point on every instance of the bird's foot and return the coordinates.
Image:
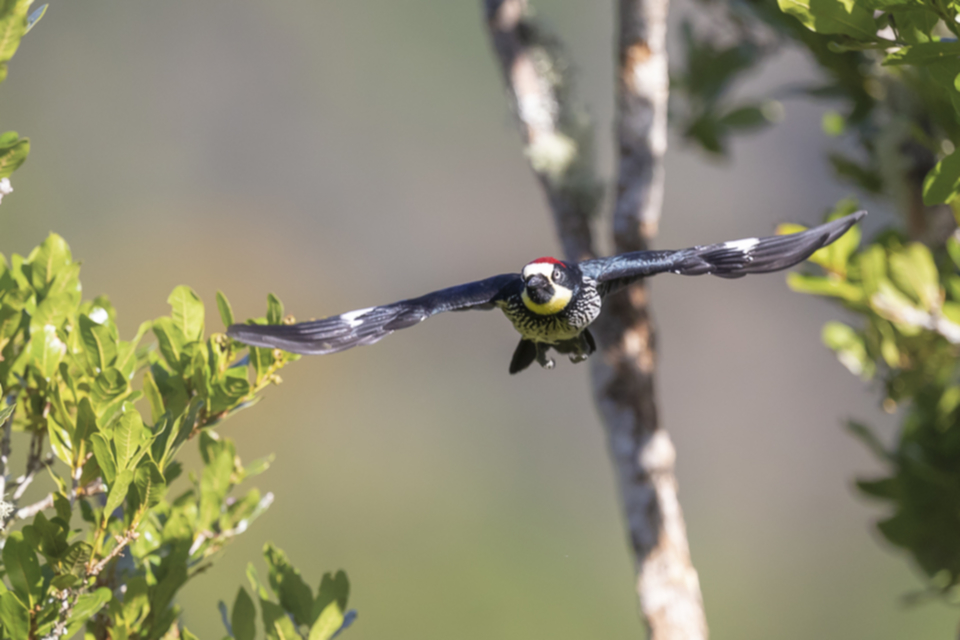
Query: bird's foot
(578, 357)
(548, 363)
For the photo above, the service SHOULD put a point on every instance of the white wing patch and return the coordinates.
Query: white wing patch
(352, 317)
(743, 246)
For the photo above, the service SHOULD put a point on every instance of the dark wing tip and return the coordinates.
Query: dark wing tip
(738, 258)
(330, 335)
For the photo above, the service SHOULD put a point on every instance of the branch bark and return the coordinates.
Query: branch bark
(623, 371)
(557, 138)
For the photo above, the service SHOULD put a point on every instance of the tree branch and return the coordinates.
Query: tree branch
(557, 137)
(122, 542)
(667, 582)
(94, 488)
(5, 455)
(623, 373)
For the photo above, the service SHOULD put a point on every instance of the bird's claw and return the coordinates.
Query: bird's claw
(578, 357)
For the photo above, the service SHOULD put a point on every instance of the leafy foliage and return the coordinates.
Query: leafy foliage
(108, 549)
(894, 66)
(15, 21)
(909, 300)
(299, 613)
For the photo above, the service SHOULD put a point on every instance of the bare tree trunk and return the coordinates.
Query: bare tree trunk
(557, 144)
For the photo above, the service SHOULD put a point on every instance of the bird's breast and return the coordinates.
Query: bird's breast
(564, 324)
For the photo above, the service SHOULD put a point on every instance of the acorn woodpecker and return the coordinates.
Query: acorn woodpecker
(550, 302)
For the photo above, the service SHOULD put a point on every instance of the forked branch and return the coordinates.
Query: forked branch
(623, 371)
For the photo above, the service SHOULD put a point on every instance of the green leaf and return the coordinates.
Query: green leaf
(913, 271)
(129, 435)
(86, 422)
(65, 581)
(332, 587)
(136, 603)
(105, 458)
(99, 343)
(844, 17)
(62, 506)
(214, 485)
(229, 389)
(13, 24)
(171, 341)
(873, 268)
(14, 154)
(226, 311)
(75, 557)
(47, 260)
(745, 118)
(294, 593)
(915, 25)
(23, 570)
(152, 392)
(924, 53)
(869, 438)
(52, 310)
(187, 312)
(14, 616)
(276, 624)
(943, 182)
(244, 616)
(274, 310)
(6, 412)
(150, 484)
(88, 605)
(824, 287)
(118, 492)
(329, 622)
(849, 347)
(255, 583)
(885, 488)
(109, 390)
(46, 351)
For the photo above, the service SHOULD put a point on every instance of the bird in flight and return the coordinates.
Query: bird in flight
(551, 303)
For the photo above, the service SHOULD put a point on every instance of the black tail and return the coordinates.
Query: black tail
(524, 356)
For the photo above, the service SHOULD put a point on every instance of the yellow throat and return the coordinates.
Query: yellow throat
(556, 304)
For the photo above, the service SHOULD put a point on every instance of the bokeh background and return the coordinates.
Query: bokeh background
(344, 153)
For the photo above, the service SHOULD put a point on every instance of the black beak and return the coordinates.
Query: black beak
(537, 281)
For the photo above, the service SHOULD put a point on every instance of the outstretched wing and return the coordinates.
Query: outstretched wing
(733, 259)
(366, 326)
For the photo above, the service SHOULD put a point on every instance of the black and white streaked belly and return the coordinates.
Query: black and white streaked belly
(563, 325)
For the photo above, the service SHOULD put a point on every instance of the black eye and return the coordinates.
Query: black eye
(557, 274)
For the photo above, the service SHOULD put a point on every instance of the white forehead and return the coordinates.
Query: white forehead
(543, 268)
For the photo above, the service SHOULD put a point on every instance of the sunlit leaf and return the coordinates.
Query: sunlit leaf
(187, 312)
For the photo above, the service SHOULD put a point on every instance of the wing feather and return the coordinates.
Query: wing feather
(733, 259)
(366, 326)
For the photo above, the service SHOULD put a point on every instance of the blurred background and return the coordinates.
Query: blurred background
(345, 153)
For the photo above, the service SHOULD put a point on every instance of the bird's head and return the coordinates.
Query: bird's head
(548, 285)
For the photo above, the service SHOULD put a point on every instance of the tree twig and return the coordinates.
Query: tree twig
(122, 542)
(68, 600)
(667, 584)
(35, 462)
(623, 373)
(94, 488)
(5, 454)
